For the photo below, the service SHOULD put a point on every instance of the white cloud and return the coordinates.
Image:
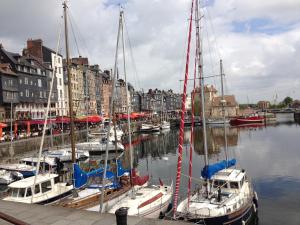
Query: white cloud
(257, 63)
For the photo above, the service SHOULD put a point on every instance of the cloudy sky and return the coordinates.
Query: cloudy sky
(259, 41)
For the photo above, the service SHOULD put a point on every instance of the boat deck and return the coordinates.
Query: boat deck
(52, 215)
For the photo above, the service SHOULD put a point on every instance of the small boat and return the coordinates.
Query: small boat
(25, 170)
(252, 118)
(47, 190)
(65, 155)
(48, 164)
(165, 125)
(146, 127)
(7, 177)
(217, 121)
(99, 147)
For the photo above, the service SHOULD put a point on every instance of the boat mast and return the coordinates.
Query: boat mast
(181, 131)
(127, 97)
(110, 114)
(69, 85)
(200, 72)
(223, 102)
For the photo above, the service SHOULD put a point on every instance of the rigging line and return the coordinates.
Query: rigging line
(47, 111)
(74, 36)
(210, 52)
(131, 54)
(80, 36)
(214, 33)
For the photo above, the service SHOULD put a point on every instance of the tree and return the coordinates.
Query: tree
(287, 101)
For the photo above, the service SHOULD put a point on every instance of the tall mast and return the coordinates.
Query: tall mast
(200, 72)
(181, 131)
(69, 84)
(127, 97)
(223, 102)
(110, 115)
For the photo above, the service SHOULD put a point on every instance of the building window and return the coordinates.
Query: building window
(32, 94)
(41, 94)
(20, 81)
(39, 83)
(38, 71)
(26, 80)
(58, 59)
(21, 93)
(45, 96)
(60, 83)
(31, 83)
(61, 95)
(25, 69)
(59, 70)
(27, 92)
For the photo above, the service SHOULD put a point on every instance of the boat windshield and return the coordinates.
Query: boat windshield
(219, 183)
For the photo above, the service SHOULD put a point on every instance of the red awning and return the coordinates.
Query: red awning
(2, 125)
(63, 119)
(90, 119)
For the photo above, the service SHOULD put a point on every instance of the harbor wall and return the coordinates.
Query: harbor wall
(33, 144)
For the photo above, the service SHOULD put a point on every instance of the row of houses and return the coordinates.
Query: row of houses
(25, 81)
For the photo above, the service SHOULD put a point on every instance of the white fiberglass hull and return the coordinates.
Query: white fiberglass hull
(148, 202)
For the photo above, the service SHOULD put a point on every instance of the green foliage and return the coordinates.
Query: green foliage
(287, 101)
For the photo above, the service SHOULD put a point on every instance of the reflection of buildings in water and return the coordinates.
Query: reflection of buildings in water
(215, 139)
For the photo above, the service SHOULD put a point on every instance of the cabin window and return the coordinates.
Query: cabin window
(14, 192)
(37, 189)
(21, 192)
(56, 180)
(220, 183)
(234, 185)
(46, 186)
(28, 193)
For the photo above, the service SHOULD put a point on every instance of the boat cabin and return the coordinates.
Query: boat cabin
(46, 189)
(229, 179)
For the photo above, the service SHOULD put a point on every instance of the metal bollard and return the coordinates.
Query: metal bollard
(121, 216)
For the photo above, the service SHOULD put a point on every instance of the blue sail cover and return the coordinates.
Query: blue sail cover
(121, 170)
(81, 177)
(208, 171)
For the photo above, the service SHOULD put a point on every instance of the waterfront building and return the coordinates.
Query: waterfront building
(213, 104)
(106, 88)
(33, 85)
(263, 104)
(136, 101)
(8, 91)
(98, 83)
(76, 73)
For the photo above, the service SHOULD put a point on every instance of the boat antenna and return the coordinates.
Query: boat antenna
(110, 114)
(127, 97)
(200, 72)
(69, 83)
(46, 116)
(223, 103)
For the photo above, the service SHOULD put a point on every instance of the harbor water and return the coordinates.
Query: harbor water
(269, 154)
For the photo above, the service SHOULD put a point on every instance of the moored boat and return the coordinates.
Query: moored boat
(247, 119)
(7, 177)
(46, 190)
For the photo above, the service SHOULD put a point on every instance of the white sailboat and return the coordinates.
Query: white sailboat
(7, 177)
(45, 188)
(147, 201)
(226, 195)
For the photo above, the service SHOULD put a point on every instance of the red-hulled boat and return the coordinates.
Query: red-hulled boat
(247, 120)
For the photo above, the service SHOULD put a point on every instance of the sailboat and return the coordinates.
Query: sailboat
(145, 201)
(45, 188)
(225, 195)
(164, 124)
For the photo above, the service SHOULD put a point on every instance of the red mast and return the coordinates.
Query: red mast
(181, 131)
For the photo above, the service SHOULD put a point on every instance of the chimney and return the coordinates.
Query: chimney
(34, 48)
